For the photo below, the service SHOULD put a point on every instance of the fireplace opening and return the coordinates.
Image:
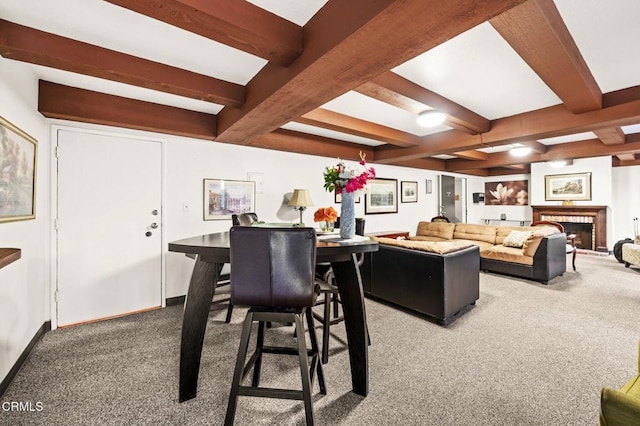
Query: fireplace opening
(583, 233)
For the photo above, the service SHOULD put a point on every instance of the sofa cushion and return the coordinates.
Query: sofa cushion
(425, 238)
(480, 244)
(438, 247)
(506, 254)
(442, 230)
(468, 231)
(503, 231)
(516, 238)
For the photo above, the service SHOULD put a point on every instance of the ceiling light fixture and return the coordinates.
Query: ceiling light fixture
(520, 151)
(558, 164)
(431, 118)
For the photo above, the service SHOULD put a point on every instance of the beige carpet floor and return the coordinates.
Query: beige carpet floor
(526, 354)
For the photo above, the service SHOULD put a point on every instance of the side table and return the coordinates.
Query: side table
(389, 234)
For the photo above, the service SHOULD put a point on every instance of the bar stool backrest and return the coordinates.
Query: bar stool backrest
(273, 267)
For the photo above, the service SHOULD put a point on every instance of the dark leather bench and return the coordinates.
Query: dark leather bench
(439, 286)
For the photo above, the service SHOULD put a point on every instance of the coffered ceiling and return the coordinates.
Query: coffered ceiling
(336, 77)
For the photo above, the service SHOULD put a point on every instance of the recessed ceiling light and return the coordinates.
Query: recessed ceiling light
(558, 164)
(431, 118)
(521, 151)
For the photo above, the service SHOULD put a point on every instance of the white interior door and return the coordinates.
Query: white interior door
(109, 250)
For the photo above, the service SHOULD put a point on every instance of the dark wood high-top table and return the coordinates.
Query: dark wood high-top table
(213, 252)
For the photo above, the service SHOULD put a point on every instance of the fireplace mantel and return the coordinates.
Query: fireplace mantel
(598, 213)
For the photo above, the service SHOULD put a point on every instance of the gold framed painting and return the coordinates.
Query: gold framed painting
(18, 161)
(568, 187)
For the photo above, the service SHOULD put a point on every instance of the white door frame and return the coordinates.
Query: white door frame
(90, 129)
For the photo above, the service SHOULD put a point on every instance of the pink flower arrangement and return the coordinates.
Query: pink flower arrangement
(340, 177)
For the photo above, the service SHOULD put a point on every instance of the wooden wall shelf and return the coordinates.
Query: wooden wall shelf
(9, 255)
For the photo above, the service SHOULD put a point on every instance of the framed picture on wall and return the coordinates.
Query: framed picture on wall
(382, 196)
(506, 193)
(222, 198)
(18, 158)
(569, 187)
(408, 192)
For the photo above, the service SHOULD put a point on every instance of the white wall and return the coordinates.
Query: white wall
(24, 284)
(189, 161)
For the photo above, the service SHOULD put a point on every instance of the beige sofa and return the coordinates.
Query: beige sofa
(540, 257)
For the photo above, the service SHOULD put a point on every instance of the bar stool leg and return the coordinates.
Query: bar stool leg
(316, 364)
(237, 374)
(258, 365)
(326, 323)
(304, 370)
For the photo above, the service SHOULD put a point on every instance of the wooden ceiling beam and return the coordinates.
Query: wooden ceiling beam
(239, 24)
(331, 120)
(536, 146)
(543, 123)
(592, 148)
(472, 155)
(536, 31)
(498, 159)
(396, 90)
(626, 157)
(346, 44)
(303, 143)
(70, 103)
(610, 135)
(475, 172)
(571, 150)
(502, 171)
(38, 47)
(424, 163)
(616, 162)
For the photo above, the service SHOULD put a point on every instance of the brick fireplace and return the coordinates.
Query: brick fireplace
(588, 223)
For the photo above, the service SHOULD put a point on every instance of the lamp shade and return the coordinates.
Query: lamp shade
(300, 198)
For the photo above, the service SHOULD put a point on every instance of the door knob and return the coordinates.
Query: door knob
(155, 212)
(148, 233)
(154, 225)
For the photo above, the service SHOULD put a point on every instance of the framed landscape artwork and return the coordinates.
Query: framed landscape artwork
(408, 192)
(222, 198)
(382, 196)
(18, 157)
(569, 187)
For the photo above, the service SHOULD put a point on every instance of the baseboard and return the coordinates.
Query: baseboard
(178, 300)
(46, 326)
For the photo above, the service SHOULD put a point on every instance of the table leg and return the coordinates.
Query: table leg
(194, 323)
(349, 283)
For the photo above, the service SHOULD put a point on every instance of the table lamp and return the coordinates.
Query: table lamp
(300, 200)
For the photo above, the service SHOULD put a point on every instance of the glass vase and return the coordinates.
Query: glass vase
(347, 215)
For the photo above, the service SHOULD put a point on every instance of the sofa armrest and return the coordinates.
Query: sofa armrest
(618, 409)
(550, 260)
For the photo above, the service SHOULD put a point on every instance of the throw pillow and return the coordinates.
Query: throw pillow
(516, 238)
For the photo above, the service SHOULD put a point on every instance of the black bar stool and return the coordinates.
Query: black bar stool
(272, 272)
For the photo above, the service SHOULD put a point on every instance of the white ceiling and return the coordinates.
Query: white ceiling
(477, 69)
